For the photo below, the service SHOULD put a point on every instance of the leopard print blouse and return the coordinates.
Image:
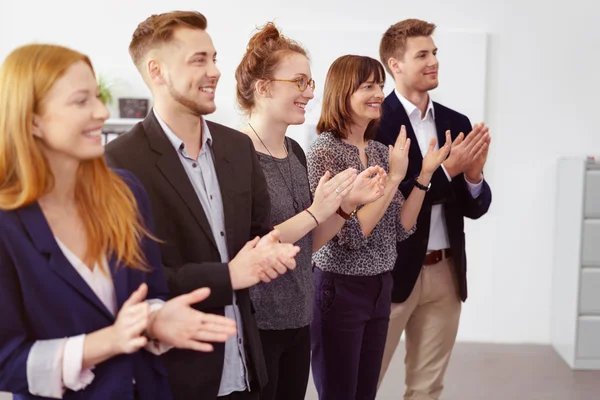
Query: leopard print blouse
(350, 252)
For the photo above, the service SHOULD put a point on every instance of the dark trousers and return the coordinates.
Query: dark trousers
(348, 333)
(287, 355)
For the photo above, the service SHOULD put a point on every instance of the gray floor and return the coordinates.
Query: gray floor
(497, 372)
(500, 372)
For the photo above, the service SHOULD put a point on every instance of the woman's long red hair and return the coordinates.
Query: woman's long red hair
(106, 205)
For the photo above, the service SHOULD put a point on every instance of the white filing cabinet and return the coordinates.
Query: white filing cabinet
(576, 275)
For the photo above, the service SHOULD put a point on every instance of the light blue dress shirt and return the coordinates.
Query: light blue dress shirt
(203, 176)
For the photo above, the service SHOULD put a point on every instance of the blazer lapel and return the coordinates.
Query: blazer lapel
(169, 164)
(43, 239)
(442, 124)
(120, 281)
(415, 156)
(226, 177)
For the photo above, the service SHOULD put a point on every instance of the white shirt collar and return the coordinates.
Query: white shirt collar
(410, 107)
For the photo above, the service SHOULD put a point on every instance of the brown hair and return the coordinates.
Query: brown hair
(105, 202)
(344, 77)
(159, 28)
(264, 52)
(393, 41)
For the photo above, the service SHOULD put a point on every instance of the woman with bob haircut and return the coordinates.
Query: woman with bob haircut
(77, 254)
(353, 279)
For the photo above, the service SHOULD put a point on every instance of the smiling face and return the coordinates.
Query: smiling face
(365, 102)
(185, 71)
(283, 100)
(71, 115)
(419, 66)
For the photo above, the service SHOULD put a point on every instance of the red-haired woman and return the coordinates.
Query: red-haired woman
(77, 255)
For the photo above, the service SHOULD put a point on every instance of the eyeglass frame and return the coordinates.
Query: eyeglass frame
(297, 82)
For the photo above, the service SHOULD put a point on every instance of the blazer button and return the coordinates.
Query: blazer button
(222, 233)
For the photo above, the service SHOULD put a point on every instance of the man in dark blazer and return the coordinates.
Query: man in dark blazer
(430, 273)
(209, 199)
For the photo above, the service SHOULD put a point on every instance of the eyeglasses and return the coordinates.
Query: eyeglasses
(302, 83)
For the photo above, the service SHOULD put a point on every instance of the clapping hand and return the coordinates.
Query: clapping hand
(180, 325)
(465, 150)
(434, 158)
(131, 322)
(368, 187)
(261, 259)
(330, 193)
(399, 157)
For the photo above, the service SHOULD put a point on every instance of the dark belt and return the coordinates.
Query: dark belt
(436, 256)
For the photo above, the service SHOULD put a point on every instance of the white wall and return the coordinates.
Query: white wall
(542, 76)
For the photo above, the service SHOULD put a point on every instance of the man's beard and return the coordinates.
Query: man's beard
(192, 106)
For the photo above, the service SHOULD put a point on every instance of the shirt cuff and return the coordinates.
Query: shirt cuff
(44, 372)
(156, 346)
(474, 188)
(73, 376)
(446, 172)
(351, 235)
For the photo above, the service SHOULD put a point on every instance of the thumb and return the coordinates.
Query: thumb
(271, 237)
(196, 296)
(250, 244)
(458, 139)
(138, 296)
(274, 235)
(432, 143)
(324, 178)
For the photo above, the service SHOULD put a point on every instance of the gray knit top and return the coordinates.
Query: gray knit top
(286, 302)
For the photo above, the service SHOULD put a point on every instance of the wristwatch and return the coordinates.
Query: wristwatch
(422, 187)
(343, 214)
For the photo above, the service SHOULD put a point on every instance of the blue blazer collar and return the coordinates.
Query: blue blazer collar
(41, 236)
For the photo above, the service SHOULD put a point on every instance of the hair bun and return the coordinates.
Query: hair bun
(267, 34)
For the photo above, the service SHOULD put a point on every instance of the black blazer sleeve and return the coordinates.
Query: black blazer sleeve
(189, 277)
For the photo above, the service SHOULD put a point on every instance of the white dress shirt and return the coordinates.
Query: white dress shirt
(425, 130)
(65, 355)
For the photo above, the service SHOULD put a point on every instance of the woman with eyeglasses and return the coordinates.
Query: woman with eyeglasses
(274, 85)
(353, 272)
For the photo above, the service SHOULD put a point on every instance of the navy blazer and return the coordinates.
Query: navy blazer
(43, 297)
(454, 195)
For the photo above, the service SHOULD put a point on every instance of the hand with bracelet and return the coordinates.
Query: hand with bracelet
(431, 162)
(330, 194)
(328, 197)
(368, 187)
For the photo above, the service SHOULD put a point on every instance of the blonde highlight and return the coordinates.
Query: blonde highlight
(105, 202)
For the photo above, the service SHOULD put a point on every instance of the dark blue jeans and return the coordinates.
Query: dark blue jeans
(348, 333)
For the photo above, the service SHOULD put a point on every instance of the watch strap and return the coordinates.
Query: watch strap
(345, 215)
